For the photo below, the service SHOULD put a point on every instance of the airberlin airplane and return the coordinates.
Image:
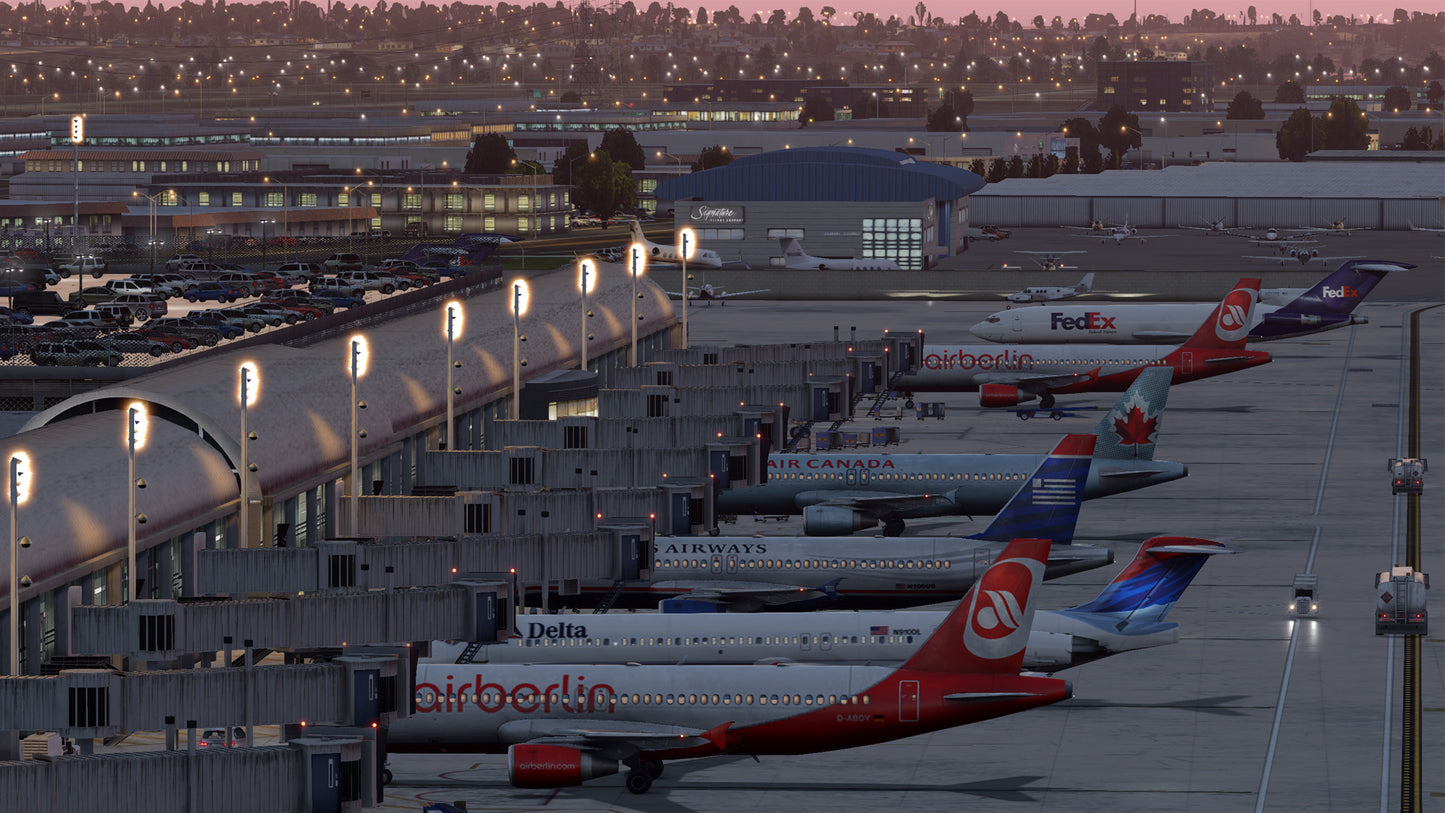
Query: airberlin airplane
(564, 724)
(1008, 376)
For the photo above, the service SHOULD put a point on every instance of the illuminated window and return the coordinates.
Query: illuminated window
(306, 199)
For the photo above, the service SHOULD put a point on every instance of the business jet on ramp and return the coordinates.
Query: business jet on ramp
(659, 253)
(562, 725)
(1048, 293)
(796, 258)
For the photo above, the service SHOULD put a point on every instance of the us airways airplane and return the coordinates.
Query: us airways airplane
(794, 257)
(844, 493)
(1329, 304)
(1020, 373)
(1128, 614)
(659, 253)
(753, 573)
(1049, 293)
(562, 725)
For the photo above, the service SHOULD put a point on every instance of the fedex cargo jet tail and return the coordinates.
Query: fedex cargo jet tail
(1149, 586)
(1227, 327)
(993, 621)
(1131, 428)
(1341, 291)
(1046, 506)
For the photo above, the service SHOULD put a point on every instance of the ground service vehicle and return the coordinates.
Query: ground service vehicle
(1400, 602)
(1306, 601)
(222, 737)
(1407, 475)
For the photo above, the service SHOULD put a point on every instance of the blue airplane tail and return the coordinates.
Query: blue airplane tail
(1146, 589)
(1131, 428)
(465, 250)
(1339, 293)
(1046, 506)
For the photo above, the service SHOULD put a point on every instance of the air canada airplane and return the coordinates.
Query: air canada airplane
(848, 492)
(1049, 293)
(1293, 312)
(1127, 614)
(795, 258)
(659, 253)
(755, 573)
(564, 724)
(1020, 373)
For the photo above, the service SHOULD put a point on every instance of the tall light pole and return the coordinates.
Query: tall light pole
(77, 135)
(357, 360)
(453, 328)
(520, 300)
(532, 220)
(135, 438)
(264, 223)
(638, 264)
(588, 276)
(686, 241)
(248, 396)
(19, 467)
(152, 212)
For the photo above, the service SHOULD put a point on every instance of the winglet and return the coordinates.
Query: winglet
(1046, 506)
(987, 632)
(1148, 587)
(1228, 325)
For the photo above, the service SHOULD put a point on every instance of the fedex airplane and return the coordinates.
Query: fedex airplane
(795, 258)
(755, 573)
(844, 493)
(1128, 614)
(562, 724)
(1290, 312)
(1020, 373)
(659, 253)
(1048, 293)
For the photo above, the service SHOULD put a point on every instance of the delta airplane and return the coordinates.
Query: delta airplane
(755, 573)
(795, 258)
(1301, 255)
(1211, 227)
(564, 724)
(1293, 312)
(1023, 372)
(844, 493)
(1045, 293)
(659, 253)
(1128, 614)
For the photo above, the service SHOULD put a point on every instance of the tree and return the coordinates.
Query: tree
(714, 156)
(1088, 135)
(1290, 92)
(1417, 140)
(1396, 99)
(1016, 167)
(997, 170)
(816, 108)
(619, 143)
(978, 167)
(604, 186)
(962, 102)
(576, 154)
(1296, 135)
(1435, 94)
(1245, 106)
(1119, 132)
(490, 154)
(1345, 127)
(1253, 15)
(944, 120)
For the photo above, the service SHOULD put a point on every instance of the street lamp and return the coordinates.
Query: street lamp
(638, 264)
(169, 194)
(19, 468)
(452, 326)
(285, 211)
(264, 241)
(136, 427)
(77, 135)
(670, 157)
(686, 242)
(532, 220)
(249, 393)
(587, 283)
(521, 298)
(357, 358)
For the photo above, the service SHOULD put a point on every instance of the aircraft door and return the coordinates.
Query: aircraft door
(805, 642)
(1016, 321)
(732, 564)
(717, 565)
(1186, 362)
(851, 476)
(907, 701)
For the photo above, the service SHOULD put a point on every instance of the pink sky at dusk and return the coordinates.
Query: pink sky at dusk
(1175, 11)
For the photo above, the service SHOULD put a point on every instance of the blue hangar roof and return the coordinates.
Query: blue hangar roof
(824, 174)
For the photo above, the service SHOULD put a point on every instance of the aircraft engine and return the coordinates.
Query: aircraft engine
(834, 520)
(1051, 650)
(554, 766)
(1302, 319)
(1002, 395)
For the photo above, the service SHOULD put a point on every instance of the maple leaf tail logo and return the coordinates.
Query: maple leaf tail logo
(1135, 428)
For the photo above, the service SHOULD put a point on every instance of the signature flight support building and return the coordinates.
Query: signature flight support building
(838, 201)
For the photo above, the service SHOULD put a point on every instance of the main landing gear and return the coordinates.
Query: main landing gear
(893, 527)
(639, 779)
(1046, 400)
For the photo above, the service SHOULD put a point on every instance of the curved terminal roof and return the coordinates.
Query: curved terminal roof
(824, 174)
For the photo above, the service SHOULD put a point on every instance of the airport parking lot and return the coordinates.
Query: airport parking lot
(1250, 710)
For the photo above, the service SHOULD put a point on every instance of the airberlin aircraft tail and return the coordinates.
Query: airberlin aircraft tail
(1228, 325)
(987, 631)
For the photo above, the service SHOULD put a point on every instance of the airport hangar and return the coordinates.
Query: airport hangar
(838, 201)
(1376, 194)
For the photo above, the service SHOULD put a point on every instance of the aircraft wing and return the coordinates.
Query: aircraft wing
(1027, 382)
(619, 737)
(880, 506)
(741, 596)
(726, 294)
(1160, 336)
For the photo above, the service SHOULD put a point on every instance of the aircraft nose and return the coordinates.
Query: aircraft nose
(1068, 690)
(983, 330)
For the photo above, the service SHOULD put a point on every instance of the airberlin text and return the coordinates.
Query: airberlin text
(960, 360)
(525, 698)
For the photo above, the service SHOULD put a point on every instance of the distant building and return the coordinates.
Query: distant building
(1173, 86)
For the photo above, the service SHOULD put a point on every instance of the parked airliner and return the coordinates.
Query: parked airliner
(1294, 312)
(1128, 614)
(794, 257)
(659, 253)
(753, 573)
(564, 724)
(1018, 373)
(848, 492)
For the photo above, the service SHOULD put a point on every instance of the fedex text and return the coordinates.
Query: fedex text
(1342, 292)
(1091, 320)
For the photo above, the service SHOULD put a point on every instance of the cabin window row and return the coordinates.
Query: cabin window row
(604, 699)
(732, 640)
(788, 475)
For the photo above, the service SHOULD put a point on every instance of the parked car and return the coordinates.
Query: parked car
(343, 262)
(163, 283)
(141, 343)
(301, 302)
(42, 303)
(242, 241)
(373, 281)
(93, 295)
(95, 319)
(225, 329)
(200, 269)
(231, 737)
(175, 263)
(266, 281)
(140, 307)
(271, 313)
(94, 266)
(340, 294)
(281, 241)
(235, 316)
(213, 291)
(207, 335)
(15, 317)
(173, 338)
(305, 271)
(77, 353)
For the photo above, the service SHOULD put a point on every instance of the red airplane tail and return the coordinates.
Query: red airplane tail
(1228, 325)
(989, 629)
